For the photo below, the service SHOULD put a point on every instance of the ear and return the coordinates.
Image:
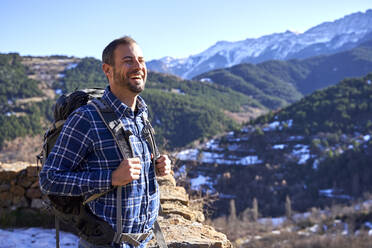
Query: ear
(107, 69)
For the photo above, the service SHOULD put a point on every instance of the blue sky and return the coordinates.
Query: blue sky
(176, 28)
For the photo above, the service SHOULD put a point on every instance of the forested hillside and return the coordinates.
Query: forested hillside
(175, 105)
(276, 83)
(317, 151)
(23, 107)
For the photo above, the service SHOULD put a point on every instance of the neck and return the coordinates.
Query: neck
(125, 96)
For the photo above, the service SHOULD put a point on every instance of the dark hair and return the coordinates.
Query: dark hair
(108, 52)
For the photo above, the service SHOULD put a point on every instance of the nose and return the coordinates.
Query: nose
(137, 64)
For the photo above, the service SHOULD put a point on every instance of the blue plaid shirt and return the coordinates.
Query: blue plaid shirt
(84, 156)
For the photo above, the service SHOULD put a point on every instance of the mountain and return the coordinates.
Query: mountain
(276, 83)
(316, 151)
(182, 111)
(326, 38)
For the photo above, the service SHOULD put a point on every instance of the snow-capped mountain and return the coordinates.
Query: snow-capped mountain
(326, 38)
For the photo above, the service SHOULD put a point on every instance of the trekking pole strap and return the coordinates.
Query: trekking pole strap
(159, 235)
(134, 239)
(96, 196)
(56, 223)
(119, 221)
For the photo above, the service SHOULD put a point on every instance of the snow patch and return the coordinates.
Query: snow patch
(206, 80)
(180, 172)
(272, 126)
(314, 228)
(316, 164)
(279, 146)
(274, 221)
(249, 160)
(295, 138)
(58, 91)
(232, 147)
(331, 193)
(35, 238)
(302, 152)
(71, 66)
(368, 224)
(201, 182)
(188, 155)
(214, 158)
(213, 145)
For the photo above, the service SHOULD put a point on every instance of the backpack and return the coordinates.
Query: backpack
(72, 210)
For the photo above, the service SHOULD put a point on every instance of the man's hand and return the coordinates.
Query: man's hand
(127, 171)
(163, 166)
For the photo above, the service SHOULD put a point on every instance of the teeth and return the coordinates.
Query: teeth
(136, 76)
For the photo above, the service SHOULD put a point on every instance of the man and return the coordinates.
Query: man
(86, 160)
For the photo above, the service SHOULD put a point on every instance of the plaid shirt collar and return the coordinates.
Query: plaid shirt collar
(121, 109)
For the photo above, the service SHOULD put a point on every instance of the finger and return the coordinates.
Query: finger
(160, 159)
(161, 165)
(135, 166)
(135, 171)
(135, 160)
(135, 177)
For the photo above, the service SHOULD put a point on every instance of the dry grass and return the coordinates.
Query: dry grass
(336, 227)
(21, 149)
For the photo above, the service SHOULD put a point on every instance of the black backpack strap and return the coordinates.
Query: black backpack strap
(149, 134)
(117, 130)
(121, 137)
(115, 126)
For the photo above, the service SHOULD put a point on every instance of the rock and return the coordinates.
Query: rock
(199, 216)
(182, 225)
(33, 193)
(17, 190)
(167, 180)
(171, 193)
(4, 187)
(5, 199)
(37, 203)
(32, 171)
(179, 232)
(19, 202)
(14, 167)
(6, 176)
(179, 209)
(25, 182)
(35, 184)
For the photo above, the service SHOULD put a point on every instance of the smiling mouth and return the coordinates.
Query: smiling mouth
(136, 77)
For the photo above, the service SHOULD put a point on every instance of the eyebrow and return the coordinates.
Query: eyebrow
(131, 57)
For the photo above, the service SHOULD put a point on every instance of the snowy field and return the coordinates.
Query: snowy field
(35, 238)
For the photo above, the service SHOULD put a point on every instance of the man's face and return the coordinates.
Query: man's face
(130, 69)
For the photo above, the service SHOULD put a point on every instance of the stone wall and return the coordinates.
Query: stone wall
(19, 187)
(182, 225)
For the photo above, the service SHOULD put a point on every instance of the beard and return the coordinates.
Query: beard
(125, 81)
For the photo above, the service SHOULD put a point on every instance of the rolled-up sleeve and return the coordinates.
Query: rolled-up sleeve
(61, 174)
